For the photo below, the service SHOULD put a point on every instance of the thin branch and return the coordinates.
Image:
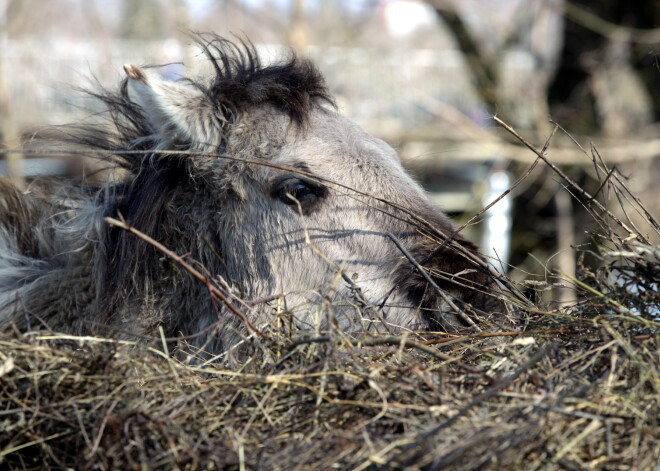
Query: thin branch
(577, 188)
(484, 69)
(178, 259)
(603, 27)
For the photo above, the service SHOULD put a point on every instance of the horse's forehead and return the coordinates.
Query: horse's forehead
(333, 136)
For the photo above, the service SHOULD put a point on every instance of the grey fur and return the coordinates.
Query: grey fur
(63, 267)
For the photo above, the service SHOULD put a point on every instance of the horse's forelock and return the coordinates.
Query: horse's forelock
(241, 82)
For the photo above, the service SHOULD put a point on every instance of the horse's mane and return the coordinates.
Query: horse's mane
(241, 81)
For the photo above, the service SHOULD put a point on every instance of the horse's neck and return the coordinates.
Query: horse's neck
(47, 293)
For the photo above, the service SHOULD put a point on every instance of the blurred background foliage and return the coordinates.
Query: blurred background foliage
(426, 76)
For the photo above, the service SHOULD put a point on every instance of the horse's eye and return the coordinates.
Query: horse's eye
(293, 191)
(300, 191)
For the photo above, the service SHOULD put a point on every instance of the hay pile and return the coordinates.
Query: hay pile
(576, 388)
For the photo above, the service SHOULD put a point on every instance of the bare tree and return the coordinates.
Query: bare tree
(8, 134)
(298, 31)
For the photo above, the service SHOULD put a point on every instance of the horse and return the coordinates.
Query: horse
(236, 199)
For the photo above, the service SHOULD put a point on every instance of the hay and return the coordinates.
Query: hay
(573, 388)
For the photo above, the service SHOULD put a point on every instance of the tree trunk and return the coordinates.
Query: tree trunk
(8, 136)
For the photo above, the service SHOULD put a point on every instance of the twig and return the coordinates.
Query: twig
(577, 188)
(588, 430)
(9, 451)
(99, 435)
(610, 30)
(178, 259)
(603, 296)
(602, 185)
(581, 414)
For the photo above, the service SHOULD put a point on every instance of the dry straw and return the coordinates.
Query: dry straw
(571, 388)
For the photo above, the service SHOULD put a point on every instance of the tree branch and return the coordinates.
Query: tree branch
(485, 69)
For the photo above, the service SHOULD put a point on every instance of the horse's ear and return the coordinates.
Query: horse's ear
(177, 112)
